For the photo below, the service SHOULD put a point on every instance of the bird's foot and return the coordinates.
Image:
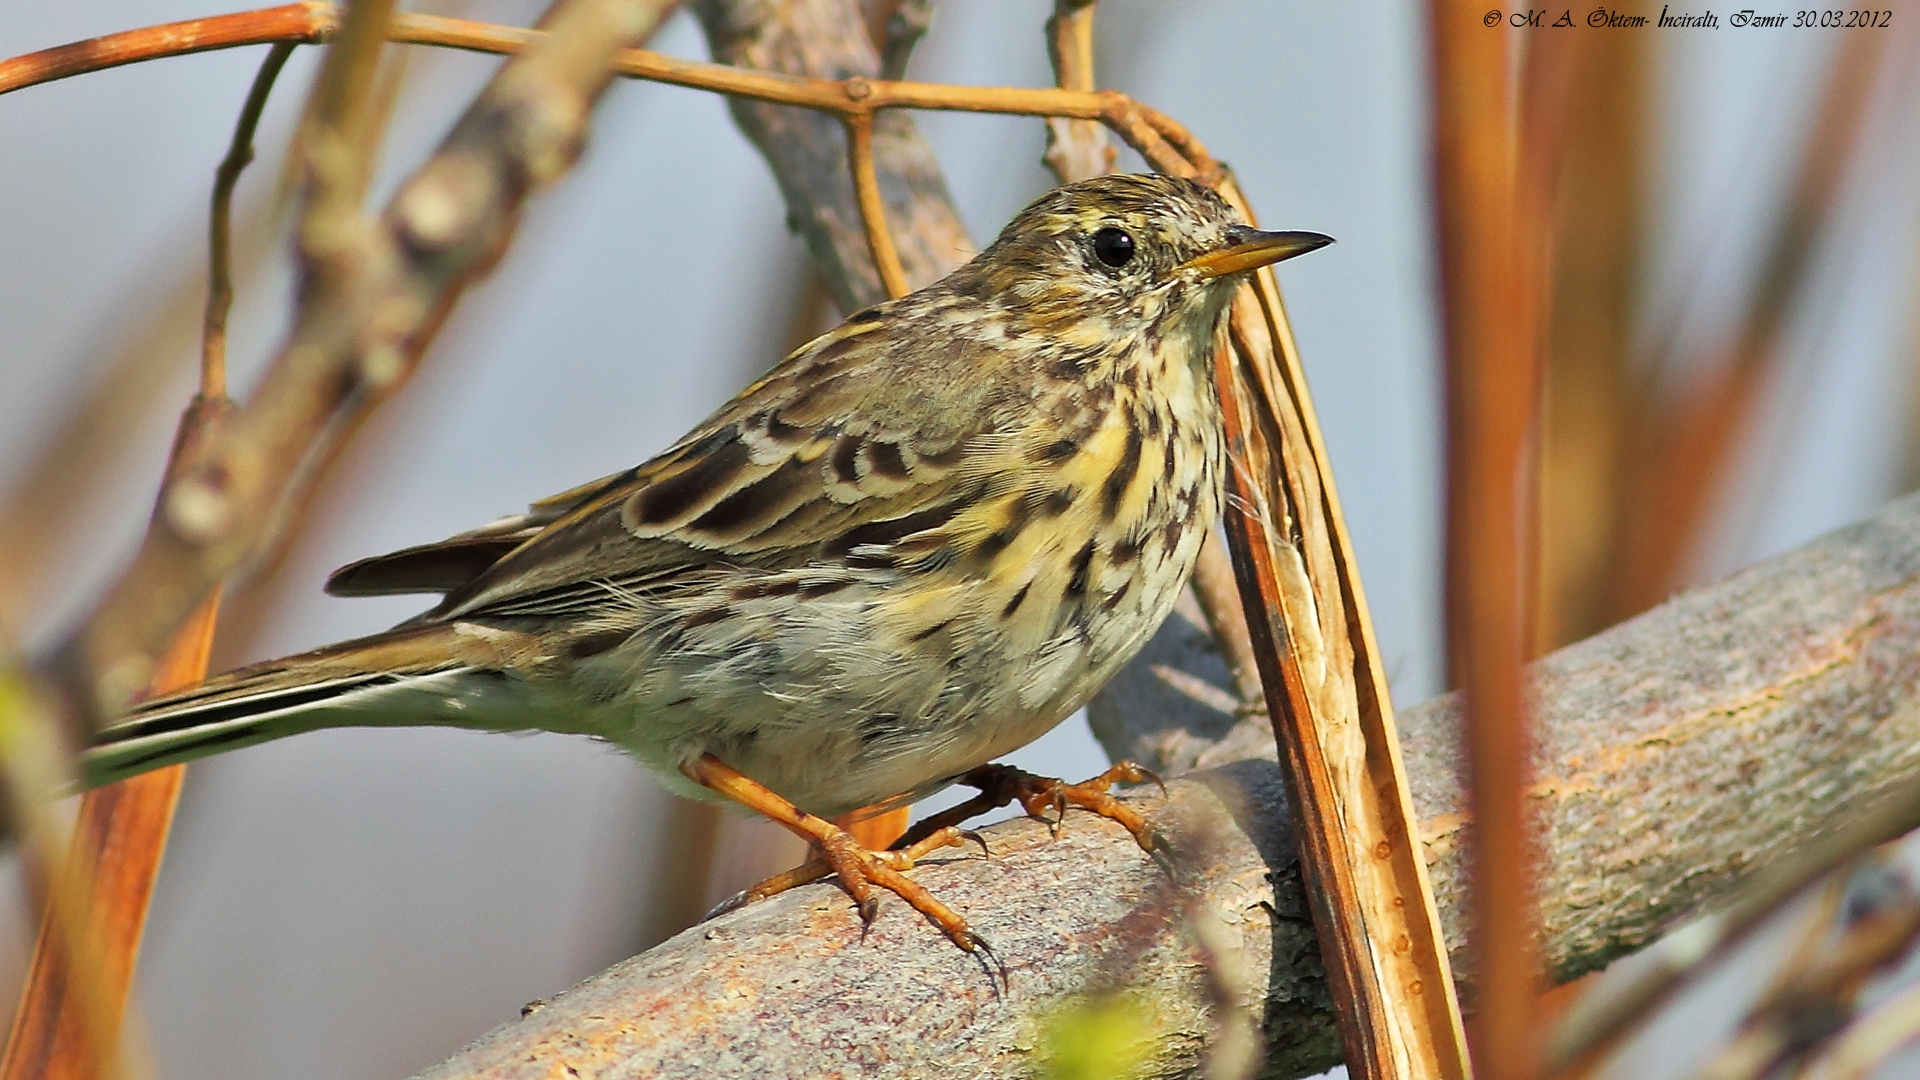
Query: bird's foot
(1003, 784)
(838, 854)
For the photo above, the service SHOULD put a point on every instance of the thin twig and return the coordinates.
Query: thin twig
(213, 343)
(901, 29)
(873, 210)
(313, 22)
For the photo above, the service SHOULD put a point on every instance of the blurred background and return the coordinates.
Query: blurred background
(1739, 224)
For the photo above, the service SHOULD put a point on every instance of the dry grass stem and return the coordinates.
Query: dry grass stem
(213, 341)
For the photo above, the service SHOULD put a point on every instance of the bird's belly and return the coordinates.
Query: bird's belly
(892, 686)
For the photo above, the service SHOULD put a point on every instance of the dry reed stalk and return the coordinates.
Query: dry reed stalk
(1597, 202)
(1491, 293)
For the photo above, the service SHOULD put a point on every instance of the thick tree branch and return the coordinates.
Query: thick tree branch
(1675, 754)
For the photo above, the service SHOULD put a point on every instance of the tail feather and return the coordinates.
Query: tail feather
(406, 677)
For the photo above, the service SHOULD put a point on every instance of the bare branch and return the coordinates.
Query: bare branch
(1675, 754)
(873, 210)
(896, 26)
(376, 294)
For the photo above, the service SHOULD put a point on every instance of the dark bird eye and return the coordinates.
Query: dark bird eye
(1113, 247)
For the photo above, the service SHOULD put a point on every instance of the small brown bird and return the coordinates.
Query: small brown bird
(919, 543)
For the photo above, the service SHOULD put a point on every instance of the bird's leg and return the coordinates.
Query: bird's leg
(1002, 784)
(837, 853)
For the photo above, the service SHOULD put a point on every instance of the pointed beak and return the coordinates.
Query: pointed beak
(1249, 249)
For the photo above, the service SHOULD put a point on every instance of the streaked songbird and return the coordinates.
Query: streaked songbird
(920, 542)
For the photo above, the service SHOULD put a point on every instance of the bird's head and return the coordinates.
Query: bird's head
(1128, 250)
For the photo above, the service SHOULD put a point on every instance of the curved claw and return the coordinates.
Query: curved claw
(732, 903)
(1149, 774)
(985, 851)
(996, 968)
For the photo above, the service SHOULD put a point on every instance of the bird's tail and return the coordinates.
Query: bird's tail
(409, 676)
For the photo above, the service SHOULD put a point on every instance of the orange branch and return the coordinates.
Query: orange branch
(314, 23)
(311, 23)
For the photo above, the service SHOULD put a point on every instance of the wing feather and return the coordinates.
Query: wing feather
(819, 460)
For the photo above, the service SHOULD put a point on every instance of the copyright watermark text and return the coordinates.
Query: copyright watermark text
(1702, 19)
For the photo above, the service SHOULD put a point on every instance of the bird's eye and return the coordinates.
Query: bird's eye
(1113, 247)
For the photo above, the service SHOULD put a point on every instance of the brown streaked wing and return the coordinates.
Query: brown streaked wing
(446, 565)
(757, 484)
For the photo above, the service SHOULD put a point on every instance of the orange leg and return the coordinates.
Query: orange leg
(837, 853)
(1002, 784)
